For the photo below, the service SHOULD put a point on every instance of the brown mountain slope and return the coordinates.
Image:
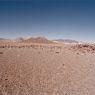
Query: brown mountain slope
(37, 40)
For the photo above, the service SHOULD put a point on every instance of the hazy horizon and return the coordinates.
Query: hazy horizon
(53, 19)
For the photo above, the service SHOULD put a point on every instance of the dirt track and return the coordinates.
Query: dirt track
(46, 71)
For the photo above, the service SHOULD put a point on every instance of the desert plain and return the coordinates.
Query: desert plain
(46, 69)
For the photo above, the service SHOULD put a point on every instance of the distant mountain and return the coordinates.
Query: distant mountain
(2, 39)
(29, 40)
(37, 40)
(20, 39)
(41, 40)
(66, 41)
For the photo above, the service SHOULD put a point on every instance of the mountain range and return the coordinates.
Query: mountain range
(40, 40)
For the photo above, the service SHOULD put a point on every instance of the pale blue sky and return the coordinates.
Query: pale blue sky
(54, 19)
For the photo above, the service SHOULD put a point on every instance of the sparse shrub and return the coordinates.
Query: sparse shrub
(84, 52)
(1, 52)
(86, 46)
(2, 46)
(57, 52)
(62, 64)
(78, 53)
(39, 52)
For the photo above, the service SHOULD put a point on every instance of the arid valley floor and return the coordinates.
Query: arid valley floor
(47, 69)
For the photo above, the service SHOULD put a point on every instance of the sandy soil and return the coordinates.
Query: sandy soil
(46, 70)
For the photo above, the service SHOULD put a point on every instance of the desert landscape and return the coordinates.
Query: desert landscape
(38, 66)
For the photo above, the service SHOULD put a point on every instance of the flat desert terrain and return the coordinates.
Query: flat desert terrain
(47, 69)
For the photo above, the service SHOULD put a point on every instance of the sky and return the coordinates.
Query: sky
(54, 19)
